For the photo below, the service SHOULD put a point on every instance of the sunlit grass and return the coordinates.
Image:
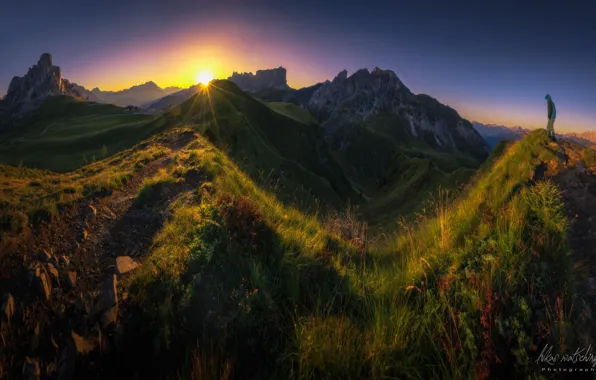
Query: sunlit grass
(469, 290)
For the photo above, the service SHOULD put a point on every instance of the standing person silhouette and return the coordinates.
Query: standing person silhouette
(552, 114)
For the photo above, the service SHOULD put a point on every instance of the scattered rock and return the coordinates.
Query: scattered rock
(89, 212)
(71, 278)
(109, 317)
(83, 345)
(43, 284)
(31, 369)
(64, 260)
(125, 264)
(54, 272)
(107, 294)
(45, 256)
(51, 368)
(8, 307)
(84, 303)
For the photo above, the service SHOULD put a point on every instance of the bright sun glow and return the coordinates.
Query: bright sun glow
(204, 77)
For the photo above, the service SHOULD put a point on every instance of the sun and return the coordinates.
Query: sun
(204, 77)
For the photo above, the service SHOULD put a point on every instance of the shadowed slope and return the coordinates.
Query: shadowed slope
(278, 151)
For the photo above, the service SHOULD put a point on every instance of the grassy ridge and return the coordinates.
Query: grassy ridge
(293, 112)
(31, 195)
(474, 290)
(273, 149)
(65, 133)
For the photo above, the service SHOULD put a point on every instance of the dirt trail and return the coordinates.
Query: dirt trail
(85, 240)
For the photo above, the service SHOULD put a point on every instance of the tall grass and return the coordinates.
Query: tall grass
(28, 196)
(475, 289)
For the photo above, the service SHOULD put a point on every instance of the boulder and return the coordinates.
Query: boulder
(82, 345)
(71, 278)
(64, 260)
(89, 213)
(125, 264)
(45, 256)
(107, 295)
(53, 271)
(109, 316)
(8, 307)
(43, 282)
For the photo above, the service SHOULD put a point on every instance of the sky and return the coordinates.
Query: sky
(491, 61)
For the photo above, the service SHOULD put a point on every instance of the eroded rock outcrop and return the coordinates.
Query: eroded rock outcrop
(263, 79)
(344, 104)
(42, 80)
(29, 91)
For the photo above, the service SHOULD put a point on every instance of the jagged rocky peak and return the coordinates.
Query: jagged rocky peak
(42, 80)
(342, 76)
(377, 89)
(262, 80)
(347, 101)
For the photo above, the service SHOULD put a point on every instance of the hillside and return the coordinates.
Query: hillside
(64, 132)
(217, 278)
(282, 151)
(378, 131)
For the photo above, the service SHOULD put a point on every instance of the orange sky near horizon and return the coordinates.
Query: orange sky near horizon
(177, 58)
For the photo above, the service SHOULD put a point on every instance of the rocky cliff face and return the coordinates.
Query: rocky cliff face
(42, 80)
(263, 79)
(29, 91)
(347, 102)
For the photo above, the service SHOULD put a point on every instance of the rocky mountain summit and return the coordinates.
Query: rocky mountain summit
(41, 80)
(342, 105)
(263, 79)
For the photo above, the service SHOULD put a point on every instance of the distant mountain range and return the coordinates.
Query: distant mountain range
(493, 134)
(136, 95)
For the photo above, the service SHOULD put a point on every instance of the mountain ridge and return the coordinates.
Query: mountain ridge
(137, 95)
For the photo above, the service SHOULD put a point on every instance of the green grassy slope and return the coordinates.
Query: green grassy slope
(293, 112)
(31, 195)
(396, 172)
(64, 129)
(239, 283)
(474, 290)
(272, 148)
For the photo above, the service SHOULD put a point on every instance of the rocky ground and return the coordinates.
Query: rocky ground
(63, 307)
(578, 185)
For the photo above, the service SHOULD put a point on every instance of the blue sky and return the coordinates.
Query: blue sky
(491, 61)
